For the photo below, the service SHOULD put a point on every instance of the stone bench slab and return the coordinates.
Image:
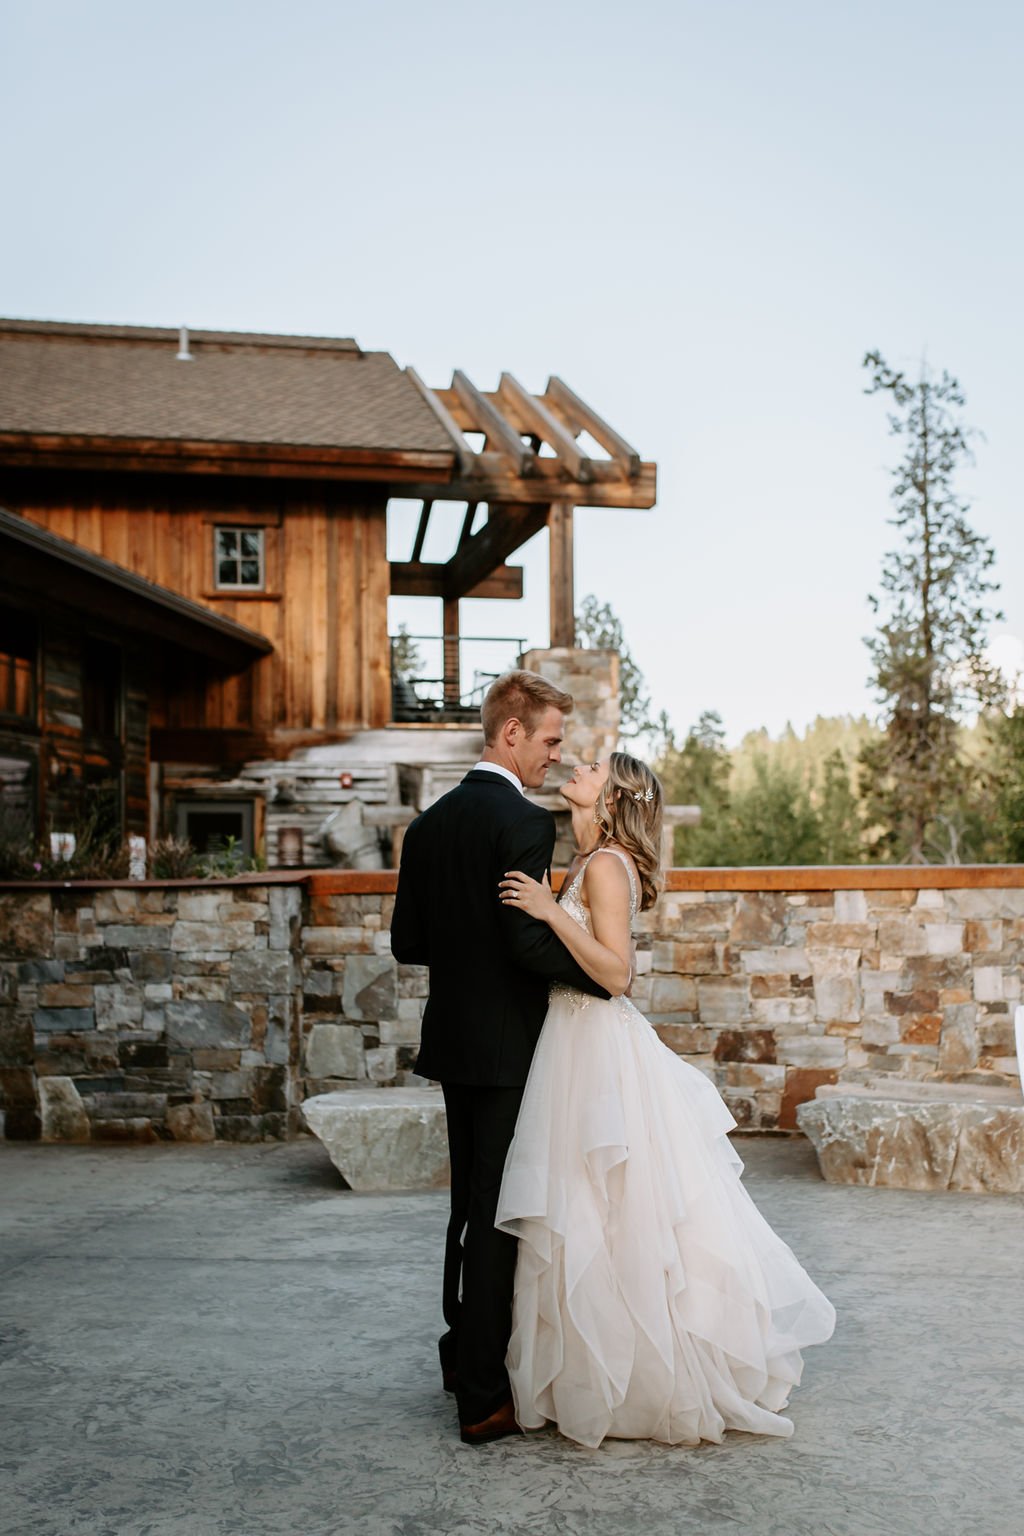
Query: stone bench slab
(954, 1142)
(924, 1092)
(383, 1138)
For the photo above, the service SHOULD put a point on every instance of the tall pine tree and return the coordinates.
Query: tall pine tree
(927, 655)
(1008, 820)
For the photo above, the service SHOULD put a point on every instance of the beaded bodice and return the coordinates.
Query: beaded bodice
(571, 901)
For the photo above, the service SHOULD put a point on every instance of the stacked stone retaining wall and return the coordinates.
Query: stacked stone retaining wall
(158, 1011)
(802, 980)
(144, 1012)
(770, 981)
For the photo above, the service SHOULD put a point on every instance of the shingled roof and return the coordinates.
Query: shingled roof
(114, 398)
(127, 382)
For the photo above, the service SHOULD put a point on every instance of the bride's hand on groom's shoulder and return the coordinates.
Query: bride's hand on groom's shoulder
(534, 897)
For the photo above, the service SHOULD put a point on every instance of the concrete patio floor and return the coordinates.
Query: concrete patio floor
(219, 1341)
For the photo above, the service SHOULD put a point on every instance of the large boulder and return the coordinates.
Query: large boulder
(349, 840)
(918, 1136)
(383, 1138)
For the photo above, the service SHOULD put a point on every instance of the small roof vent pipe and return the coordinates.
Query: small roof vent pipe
(184, 355)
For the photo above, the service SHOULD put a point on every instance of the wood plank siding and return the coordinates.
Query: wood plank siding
(323, 604)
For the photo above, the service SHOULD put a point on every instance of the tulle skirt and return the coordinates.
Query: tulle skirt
(652, 1299)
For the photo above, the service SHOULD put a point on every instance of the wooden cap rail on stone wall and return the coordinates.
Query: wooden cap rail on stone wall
(803, 877)
(794, 877)
(201, 882)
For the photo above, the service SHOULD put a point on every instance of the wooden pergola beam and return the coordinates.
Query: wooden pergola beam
(583, 419)
(500, 434)
(426, 578)
(535, 417)
(463, 452)
(524, 492)
(608, 488)
(510, 470)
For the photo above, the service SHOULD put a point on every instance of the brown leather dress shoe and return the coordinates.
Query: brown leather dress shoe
(501, 1422)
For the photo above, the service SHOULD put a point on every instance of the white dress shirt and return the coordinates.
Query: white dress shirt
(506, 773)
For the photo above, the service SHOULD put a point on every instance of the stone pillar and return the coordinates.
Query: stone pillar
(592, 677)
(591, 731)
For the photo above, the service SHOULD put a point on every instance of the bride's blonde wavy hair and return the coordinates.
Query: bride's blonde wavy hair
(629, 812)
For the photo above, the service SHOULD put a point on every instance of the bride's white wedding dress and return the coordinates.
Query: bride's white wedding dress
(652, 1299)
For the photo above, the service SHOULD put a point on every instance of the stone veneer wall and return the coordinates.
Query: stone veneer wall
(770, 981)
(215, 1011)
(361, 1011)
(150, 1011)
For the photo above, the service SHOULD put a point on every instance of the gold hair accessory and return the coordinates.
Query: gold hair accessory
(644, 794)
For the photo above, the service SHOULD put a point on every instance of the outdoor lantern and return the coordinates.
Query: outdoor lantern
(289, 847)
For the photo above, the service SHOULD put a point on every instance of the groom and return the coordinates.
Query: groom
(490, 967)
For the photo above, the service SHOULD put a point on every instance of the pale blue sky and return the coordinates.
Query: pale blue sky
(699, 214)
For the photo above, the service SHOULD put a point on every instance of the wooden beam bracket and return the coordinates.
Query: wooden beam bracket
(506, 530)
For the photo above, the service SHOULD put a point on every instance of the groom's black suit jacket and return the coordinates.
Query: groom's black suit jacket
(490, 966)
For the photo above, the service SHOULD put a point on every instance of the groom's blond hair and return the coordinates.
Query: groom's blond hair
(520, 696)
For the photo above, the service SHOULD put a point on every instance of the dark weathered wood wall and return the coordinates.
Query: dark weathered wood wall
(324, 607)
(55, 737)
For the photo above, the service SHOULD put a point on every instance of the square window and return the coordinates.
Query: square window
(239, 558)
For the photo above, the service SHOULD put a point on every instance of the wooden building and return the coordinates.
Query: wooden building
(207, 580)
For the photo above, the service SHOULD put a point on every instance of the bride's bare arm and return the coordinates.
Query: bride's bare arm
(605, 953)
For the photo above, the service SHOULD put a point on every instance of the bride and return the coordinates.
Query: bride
(652, 1299)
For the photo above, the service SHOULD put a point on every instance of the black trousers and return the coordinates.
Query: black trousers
(479, 1261)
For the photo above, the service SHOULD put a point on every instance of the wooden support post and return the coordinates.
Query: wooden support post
(450, 651)
(563, 594)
